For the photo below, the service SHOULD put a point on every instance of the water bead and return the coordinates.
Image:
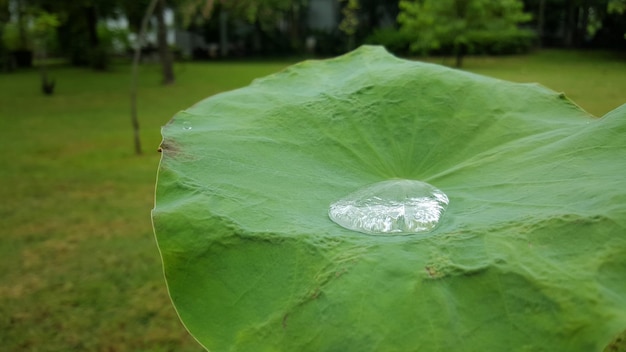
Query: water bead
(398, 206)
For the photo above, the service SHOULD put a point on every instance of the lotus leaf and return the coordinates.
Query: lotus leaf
(529, 256)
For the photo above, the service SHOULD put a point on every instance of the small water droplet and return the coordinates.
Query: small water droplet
(186, 125)
(399, 207)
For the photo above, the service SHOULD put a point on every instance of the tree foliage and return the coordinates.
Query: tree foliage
(267, 13)
(456, 24)
(617, 7)
(579, 23)
(78, 33)
(350, 22)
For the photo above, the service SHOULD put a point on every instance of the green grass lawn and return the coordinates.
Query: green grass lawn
(79, 268)
(596, 81)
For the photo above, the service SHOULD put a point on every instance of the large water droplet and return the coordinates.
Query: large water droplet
(398, 207)
(187, 126)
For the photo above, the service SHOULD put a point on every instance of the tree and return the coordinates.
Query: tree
(135, 11)
(21, 23)
(617, 7)
(280, 21)
(457, 24)
(16, 33)
(168, 73)
(44, 25)
(165, 54)
(133, 87)
(579, 23)
(362, 18)
(350, 22)
(78, 31)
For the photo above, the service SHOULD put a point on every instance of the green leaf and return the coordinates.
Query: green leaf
(529, 256)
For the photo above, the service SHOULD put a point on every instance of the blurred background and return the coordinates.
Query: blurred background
(80, 128)
(94, 32)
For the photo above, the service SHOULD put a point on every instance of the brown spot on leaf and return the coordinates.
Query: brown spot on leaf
(169, 148)
(431, 271)
(618, 344)
(285, 317)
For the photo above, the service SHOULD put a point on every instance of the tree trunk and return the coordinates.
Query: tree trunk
(541, 21)
(133, 86)
(92, 25)
(47, 86)
(459, 59)
(21, 25)
(224, 44)
(97, 54)
(294, 28)
(583, 22)
(167, 61)
(571, 24)
(459, 53)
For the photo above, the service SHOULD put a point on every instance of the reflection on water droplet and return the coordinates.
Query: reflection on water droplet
(186, 125)
(398, 207)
